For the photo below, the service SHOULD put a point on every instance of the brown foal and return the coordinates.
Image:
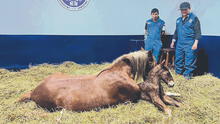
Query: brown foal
(152, 90)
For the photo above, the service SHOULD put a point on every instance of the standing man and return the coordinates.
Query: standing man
(153, 29)
(186, 36)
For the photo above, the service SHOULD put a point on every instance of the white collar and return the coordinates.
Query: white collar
(185, 17)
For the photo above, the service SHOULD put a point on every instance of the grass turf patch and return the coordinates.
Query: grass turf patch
(200, 97)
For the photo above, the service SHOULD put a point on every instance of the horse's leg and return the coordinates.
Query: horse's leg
(155, 98)
(168, 100)
(128, 90)
(144, 87)
(144, 96)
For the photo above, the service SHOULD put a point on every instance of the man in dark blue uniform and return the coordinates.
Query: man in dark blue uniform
(153, 29)
(186, 36)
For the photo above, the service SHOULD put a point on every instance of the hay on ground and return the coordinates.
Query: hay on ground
(200, 96)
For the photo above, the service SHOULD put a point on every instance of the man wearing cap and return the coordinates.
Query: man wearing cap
(186, 37)
(153, 29)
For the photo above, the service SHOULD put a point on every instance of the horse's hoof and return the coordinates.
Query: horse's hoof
(178, 104)
(168, 112)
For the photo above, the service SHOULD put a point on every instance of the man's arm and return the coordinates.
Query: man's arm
(174, 39)
(197, 29)
(163, 30)
(145, 29)
(174, 36)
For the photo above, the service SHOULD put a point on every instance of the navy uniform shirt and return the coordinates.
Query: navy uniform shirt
(196, 28)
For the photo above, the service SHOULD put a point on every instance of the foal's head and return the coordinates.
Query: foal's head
(162, 72)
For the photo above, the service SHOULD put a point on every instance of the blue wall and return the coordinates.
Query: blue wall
(211, 46)
(21, 50)
(18, 51)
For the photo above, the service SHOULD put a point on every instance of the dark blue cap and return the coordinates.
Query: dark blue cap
(185, 5)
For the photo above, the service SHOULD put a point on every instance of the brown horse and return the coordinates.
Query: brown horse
(111, 86)
(152, 90)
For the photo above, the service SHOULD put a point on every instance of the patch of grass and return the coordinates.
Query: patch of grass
(200, 96)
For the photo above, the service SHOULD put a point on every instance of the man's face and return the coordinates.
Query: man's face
(185, 12)
(155, 15)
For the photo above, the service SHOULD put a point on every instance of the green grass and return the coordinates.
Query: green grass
(200, 96)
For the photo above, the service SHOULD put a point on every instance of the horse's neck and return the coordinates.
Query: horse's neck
(154, 78)
(120, 67)
(123, 67)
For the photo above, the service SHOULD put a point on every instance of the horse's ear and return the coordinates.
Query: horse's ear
(162, 63)
(142, 48)
(149, 53)
(152, 58)
(154, 61)
(126, 60)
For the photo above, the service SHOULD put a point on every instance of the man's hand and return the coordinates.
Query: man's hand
(145, 32)
(195, 45)
(172, 44)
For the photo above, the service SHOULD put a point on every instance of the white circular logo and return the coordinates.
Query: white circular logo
(74, 4)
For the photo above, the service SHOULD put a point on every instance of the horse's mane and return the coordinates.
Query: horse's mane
(137, 60)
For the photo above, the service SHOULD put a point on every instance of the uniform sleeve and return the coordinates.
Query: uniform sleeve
(175, 35)
(197, 29)
(163, 28)
(146, 26)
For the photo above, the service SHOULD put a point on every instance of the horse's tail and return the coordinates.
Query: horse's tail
(26, 97)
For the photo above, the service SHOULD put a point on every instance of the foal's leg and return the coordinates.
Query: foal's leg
(143, 88)
(144, 96)
(155, 98)
(168, 100)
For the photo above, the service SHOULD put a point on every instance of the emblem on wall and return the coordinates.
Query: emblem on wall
(74, 4)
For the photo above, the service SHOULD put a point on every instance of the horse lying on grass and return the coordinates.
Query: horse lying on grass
(111, 86)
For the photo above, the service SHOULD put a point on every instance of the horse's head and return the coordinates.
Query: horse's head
(163, 72)
(166, 76)
(134, 63)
